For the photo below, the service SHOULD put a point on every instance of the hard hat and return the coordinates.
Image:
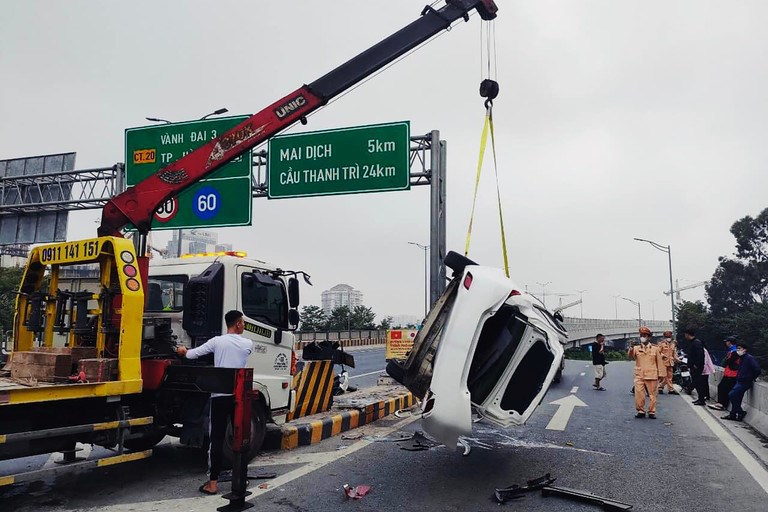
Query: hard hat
(645, 330)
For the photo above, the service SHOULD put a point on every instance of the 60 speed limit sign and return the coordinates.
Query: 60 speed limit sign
(167, 210)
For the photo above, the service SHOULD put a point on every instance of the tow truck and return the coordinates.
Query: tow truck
(111, 384)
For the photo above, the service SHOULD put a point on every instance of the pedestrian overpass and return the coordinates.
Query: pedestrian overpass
(582, 331)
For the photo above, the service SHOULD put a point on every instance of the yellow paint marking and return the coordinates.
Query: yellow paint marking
(126, 457)
(336, 428)
(317, 431)
(2, 438)
(6, 480)
(290, 438)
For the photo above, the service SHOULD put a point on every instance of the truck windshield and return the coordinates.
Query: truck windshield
(166, 293)
(264, 303)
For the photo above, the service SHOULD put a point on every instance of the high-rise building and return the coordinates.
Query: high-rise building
(340, 295)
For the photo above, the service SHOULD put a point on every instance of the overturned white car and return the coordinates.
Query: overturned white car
(487, 348)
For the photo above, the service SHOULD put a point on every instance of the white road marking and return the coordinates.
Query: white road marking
(583, 374)
(563, 414)
(753, 467)
(574, 389)
(205, 503)
(365, 374)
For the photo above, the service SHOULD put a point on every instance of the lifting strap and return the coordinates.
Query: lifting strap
(488, 127)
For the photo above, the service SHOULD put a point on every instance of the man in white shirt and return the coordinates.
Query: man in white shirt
(230, 350)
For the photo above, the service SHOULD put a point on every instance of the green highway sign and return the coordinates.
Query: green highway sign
(373, 158)
(222, 199)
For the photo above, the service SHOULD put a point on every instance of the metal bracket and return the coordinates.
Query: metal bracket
(588, 497)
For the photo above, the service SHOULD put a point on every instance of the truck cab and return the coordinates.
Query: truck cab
(187, 300)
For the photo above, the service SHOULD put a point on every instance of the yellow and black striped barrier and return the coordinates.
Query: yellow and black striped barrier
(304, 434)
(314, 389)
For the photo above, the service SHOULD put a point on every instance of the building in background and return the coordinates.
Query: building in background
(194, 241)
(340, 295)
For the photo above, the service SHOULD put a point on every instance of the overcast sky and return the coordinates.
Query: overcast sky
(615, 120)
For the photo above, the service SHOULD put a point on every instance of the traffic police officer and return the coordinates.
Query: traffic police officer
(649, 367)
(668, 349)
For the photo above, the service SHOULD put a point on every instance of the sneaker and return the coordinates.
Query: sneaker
(698, 402)
(640, 415)
(730, 417)
(652, 415)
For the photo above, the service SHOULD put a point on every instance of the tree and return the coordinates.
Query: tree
(340, 319)
(10, 278)
(313, 318)
(741, 281)
(385, 324)
(362, 318)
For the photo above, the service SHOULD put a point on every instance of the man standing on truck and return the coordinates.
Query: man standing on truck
(230, 350)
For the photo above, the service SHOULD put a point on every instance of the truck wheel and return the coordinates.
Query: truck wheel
(258, 433)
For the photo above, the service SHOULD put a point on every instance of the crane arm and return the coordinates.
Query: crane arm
(137, 204)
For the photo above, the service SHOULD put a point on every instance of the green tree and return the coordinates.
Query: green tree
(362, 318)
(339, 320)
(742, 281)
(313, 318)
(385, 324)
(10, 278)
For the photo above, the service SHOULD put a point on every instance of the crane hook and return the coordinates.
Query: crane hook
(489, 89)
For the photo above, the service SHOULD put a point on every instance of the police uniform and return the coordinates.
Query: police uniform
(668, 349)
(649, 366)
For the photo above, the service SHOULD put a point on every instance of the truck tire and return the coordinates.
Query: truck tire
(258, 433)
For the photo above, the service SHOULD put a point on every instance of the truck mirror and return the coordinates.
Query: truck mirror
(293, 294)
(293, 318)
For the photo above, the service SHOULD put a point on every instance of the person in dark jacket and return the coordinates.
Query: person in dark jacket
(730, 366)
(598, 361)
(696, 365)
(749, 371)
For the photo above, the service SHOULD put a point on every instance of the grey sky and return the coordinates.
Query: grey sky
(615, 120)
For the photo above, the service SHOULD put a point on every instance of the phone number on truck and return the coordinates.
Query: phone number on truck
(69, 252)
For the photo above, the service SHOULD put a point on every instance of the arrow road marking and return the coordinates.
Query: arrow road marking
(563, 414)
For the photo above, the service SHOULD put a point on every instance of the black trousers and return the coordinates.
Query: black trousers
(222, 410)
(725, 387)
(701, 384)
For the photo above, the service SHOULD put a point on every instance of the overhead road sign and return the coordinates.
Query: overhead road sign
(372, 158)
(222, 199)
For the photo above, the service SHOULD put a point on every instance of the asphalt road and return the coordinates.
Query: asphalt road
(682, 461)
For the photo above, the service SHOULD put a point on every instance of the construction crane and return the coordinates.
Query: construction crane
(679, 288)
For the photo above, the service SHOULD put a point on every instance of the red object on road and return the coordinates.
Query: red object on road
(356, 492)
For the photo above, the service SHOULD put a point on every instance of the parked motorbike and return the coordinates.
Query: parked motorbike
(681, 375)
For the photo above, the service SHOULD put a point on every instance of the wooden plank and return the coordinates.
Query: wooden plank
(99, 370)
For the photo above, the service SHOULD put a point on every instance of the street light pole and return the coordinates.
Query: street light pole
(639, 316)
(543, 292)
(424, 248)
(581, 304)
(667, 249)
(616, 305)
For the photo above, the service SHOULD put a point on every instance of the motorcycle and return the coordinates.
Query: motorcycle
(681, 375)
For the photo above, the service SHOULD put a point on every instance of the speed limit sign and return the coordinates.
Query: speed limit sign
(167, 210)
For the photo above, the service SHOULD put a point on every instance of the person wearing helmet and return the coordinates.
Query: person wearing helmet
(668, 349)
(649, 367)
